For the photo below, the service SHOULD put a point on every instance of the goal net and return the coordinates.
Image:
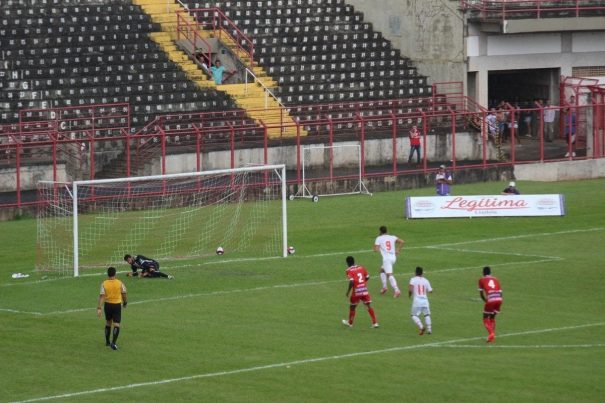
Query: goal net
(93, 224)
(341, 163)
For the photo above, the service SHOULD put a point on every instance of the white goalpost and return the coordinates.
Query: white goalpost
(343, 158)
(93, 224)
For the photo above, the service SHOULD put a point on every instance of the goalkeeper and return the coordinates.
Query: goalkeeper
(149, 267)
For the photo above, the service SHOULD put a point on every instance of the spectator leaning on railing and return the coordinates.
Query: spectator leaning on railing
(570, 126)
(549, 121)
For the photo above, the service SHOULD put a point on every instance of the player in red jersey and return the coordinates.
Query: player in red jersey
(491, 293)
(358, 282)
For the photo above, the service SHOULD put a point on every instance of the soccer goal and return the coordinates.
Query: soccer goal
(93, 224)
(343, 163)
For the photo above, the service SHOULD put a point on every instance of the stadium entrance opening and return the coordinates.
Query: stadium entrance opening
(523, 87)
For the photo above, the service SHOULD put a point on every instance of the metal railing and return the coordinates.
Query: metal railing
(462, 138)
(532, 9)
(223, 27)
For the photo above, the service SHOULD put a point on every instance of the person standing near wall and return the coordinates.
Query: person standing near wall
(570, 126)
(414, 145)
(443, 180)
(549, 121)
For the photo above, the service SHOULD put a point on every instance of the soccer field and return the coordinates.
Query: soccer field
(269, 330)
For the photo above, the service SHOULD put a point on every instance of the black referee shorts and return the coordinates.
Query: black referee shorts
(113, 312)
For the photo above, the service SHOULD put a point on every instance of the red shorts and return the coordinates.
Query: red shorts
(366, 299)
(492, 307)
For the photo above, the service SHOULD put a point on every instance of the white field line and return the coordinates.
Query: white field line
(437, 246)
(495, 253)
(528, 347)
(300, 362)
(263, 288)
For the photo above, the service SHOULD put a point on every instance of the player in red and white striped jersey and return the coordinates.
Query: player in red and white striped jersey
(491, 293)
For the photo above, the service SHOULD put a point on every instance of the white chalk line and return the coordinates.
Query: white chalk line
(497, 253)
(542, 259)
(527, 347)
(301, 362)
(254, 289)
(363, 251)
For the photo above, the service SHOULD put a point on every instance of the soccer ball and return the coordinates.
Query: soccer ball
(220, 250)
(291, 250)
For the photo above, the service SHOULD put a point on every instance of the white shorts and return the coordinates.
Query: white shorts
(387, 264)
(418, 310)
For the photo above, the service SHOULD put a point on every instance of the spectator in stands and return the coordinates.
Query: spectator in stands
(492, 124)
(570, 126)
(526, 117)
(538, 103)
(414, 145)
(217, 71)
(513, 124)
(443, 180)
(511, 189)
(549, 121)
(502, 119)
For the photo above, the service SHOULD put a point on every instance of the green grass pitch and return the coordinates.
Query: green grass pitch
(268, 330)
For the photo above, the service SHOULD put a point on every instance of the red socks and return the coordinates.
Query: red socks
(372, 315)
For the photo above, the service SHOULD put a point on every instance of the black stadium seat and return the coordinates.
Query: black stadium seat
(78, 52)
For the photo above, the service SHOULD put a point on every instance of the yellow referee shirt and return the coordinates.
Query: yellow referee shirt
(113, 289)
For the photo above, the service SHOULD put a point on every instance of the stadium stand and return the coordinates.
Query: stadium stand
(322, 51)
(58, 53)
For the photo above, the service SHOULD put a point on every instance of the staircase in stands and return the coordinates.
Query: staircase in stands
(250, 96)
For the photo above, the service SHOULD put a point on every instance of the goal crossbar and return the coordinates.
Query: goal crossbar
(279, 178)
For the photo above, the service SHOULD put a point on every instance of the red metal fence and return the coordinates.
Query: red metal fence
(516, 9)
(95, 141)
(213, 19)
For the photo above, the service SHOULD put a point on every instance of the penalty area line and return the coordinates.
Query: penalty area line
(443, 245)
(263, 288)
(297, 362)
(527, 347)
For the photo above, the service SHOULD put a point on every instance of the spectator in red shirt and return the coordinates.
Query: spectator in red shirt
(414, 145)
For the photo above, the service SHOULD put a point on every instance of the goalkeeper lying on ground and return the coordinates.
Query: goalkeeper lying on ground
(149, 267)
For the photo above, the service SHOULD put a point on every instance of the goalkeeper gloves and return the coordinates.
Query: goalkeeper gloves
(124, 304)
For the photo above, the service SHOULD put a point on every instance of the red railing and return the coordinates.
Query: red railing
(459, 137)
(189, 31)
(516, 9)
(214, 19)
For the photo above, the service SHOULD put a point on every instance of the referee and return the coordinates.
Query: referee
(113, 295)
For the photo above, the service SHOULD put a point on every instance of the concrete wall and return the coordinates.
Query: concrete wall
(561, 171)
(430, 32)
(29, 176)
(378, 152)
(555, 50)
